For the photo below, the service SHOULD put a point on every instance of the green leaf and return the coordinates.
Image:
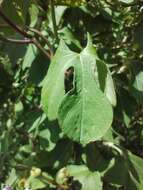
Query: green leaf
(113, 175)
(35, 120)
(11, 50)
(34, 11)
(29, 56)
(87, 179)
(38, 69)
(105, 81)
(48, 139)
(58, 157)
(36, 183)
(95, 160)
(78, 113)
(138, 86)
(18, 107)
(130, 167)
(22, 8)
(11, 178)
(69, 38)
(135, 164)
(137, 83)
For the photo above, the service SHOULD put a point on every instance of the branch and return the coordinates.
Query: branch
(23, 33)
(17, 41)
(27, 41)
(44, 38)
(14, 26)
(39, 46)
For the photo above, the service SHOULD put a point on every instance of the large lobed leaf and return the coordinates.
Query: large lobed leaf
(84, 113)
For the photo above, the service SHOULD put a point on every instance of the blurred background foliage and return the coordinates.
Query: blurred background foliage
(33, 151)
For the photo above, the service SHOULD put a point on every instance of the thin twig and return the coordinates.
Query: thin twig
(54, 20)
(24, 33)
(39, 46)
(3, 25)
(27, 41)
(17, 41)
(109, 3)
(14, 26)
(44, 39)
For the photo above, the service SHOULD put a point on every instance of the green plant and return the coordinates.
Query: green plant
(71, 88)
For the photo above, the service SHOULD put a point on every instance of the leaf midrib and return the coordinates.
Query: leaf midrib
(83, 98)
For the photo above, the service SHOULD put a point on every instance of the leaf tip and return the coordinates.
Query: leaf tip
(89, 39)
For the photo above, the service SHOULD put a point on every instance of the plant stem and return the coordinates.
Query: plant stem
(54, 20)
(14, 26)
(44, 39)
(17, 41)
(23, 33)
(39, 46)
